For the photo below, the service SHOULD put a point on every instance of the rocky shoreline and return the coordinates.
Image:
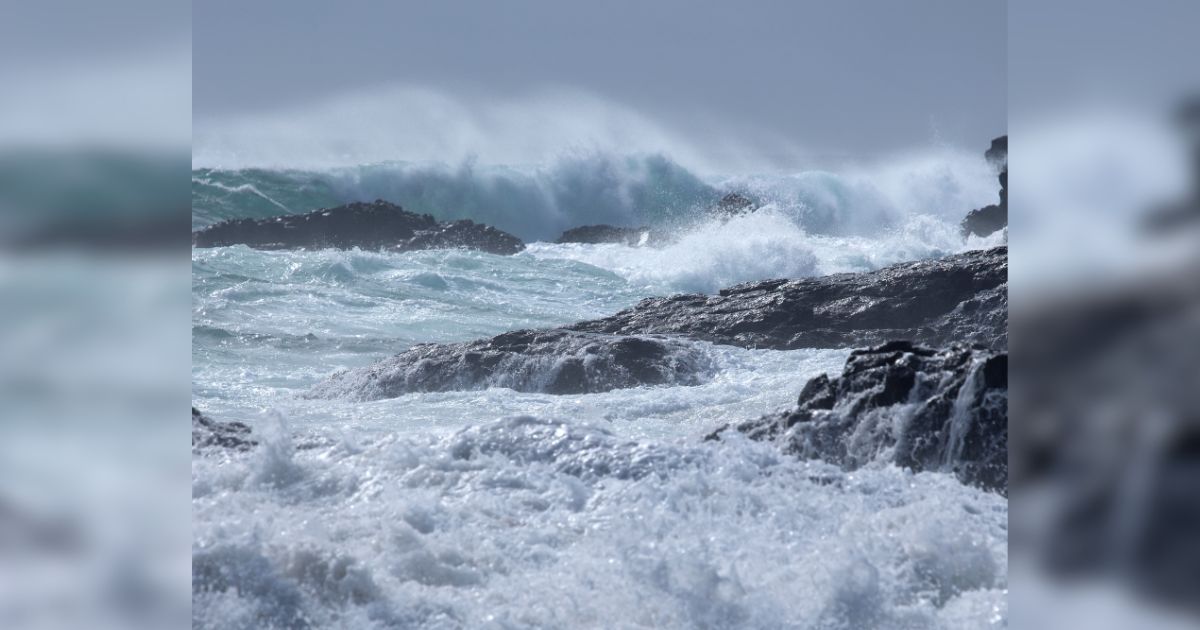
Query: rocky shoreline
(926, 387)
(928, 390)
(961, 298)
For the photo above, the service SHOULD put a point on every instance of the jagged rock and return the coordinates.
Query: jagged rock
(607, 234)
(988, 219)
(734, 204)
(924, 409)
(378, 225)
(961, 297)
(207, 432)
(958, 298)
(1106, 432)
(549, 361)
(998, 153)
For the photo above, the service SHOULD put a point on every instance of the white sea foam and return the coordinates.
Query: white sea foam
(532, 523)
(763, 245)
(587, 187)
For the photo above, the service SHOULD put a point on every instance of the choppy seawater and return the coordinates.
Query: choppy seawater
(497, 509)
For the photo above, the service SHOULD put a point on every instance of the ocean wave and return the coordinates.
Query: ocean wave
(763, 245)
(538, 203)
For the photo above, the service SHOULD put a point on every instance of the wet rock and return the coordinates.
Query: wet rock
(548, 361)
(924, 409)
(988, 219)
(209, 433)
(465, 234)
(997, 154)
(734, 204)
(1106, 433)
(607, 234)
(960, 298)
(377, 225)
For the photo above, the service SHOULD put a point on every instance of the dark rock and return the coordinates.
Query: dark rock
(378, 225)
(207, 433)
(734, 204)
(607, 234)
(1183, 213)
(465, 234)
(988, 219)
(919, 408)
(550, 361)
(997, 154)
(962, 297)
(958, 298)
(1105, 432)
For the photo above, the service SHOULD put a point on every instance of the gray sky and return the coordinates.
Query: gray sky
(847, 77)
(1068, 54)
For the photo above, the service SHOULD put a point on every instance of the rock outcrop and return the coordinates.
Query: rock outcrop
(924, 409)
(1183, 213)
(209, 433)
(961, 298)
(988, 219)
(1106, 432)
(548, 361)
(378, 225)
(607, 234)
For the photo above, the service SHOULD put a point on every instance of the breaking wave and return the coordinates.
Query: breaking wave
(538, 203)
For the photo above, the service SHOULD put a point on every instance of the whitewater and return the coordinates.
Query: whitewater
(501, 509)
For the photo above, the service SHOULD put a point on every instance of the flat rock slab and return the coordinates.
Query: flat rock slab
(960, 298)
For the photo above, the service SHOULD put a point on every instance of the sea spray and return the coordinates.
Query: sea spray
(539, 202)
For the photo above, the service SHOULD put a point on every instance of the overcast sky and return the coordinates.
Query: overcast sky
(851, 77)
(1069, 54)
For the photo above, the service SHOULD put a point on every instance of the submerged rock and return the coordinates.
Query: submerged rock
(207, 433)
(734, 204)
(548, 361)
(960, 298)
(607, 234)
(378, 225)
(988, 219)
(924, 409)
